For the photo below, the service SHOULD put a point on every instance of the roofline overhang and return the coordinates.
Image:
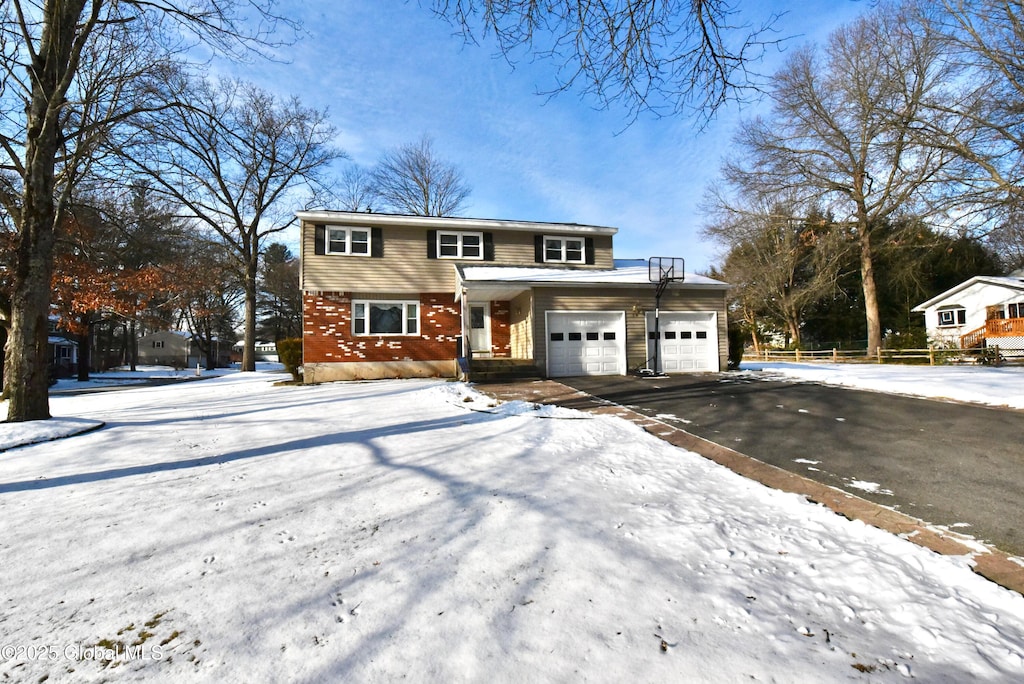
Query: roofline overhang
(990, 280)
(451, 222)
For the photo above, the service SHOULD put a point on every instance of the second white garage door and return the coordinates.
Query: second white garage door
(585, 343)
(689, 341)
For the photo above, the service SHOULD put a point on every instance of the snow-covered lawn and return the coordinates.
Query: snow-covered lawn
(1003, 386)
(233, 530)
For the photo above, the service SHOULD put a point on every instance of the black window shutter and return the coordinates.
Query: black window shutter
(488, 246)
(431, 244)
(376, 243)
(538, 248)
(961, 316)
(320, 239)
(590, 251)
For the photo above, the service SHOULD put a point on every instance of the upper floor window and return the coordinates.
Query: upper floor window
(385, 318)
(1015, 310)
(451, 245)
(353, 241)
(952, 317)
(564, 250)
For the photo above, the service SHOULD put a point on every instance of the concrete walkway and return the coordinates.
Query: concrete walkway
(988, 562)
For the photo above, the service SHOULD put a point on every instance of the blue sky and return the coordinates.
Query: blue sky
(390, 72)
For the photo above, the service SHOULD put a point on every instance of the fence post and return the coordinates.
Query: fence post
(931, 355)
(878, 351)
(798, 354)
(835, 355)
(998, 360)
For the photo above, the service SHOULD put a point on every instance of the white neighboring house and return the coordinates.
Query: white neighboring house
(267, 351)
(984, 311)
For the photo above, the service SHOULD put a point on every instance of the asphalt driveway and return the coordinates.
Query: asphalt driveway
(956, 465)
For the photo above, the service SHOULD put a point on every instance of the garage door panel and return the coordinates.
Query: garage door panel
(585, 343)
(689, 341)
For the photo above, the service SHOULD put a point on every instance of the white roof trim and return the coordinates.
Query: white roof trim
(1009, 282)
(632, 276)
(448, 222)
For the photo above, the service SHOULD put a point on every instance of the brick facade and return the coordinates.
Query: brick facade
(327, 331)
(501, 330)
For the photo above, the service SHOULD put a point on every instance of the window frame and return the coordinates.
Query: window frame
(364, 320)
(957, 314)
(460, 244)
(563, 249)
(348, 230)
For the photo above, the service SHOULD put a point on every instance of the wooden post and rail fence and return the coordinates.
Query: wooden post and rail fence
(989, 355)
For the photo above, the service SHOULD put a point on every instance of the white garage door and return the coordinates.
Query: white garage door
(586, 343)
(689, 341)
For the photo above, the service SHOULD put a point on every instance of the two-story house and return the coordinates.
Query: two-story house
(408, 296)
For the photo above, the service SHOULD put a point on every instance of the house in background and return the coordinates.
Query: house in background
(177, 349)
(404, 296)
(981, 311)
(267, 351)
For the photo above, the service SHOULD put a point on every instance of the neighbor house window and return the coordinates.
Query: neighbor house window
(385, 318)
(564, 250)
(352, 241)
(460, 245)
(952, 317)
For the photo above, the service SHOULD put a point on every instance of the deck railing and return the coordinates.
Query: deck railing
(995, 327)
(1004, 327)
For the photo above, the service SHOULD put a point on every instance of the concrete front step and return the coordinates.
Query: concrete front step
(502, 370)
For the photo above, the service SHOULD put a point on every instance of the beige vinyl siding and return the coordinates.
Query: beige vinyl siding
(521, 329)
(405, 267)
(568, 299)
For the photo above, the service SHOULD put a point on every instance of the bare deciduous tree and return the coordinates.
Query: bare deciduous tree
(70, 70)
(987, 36)
(780, 261)
(355, 189)
(845, 132)
(650, 54)
(412, 179)
(240, 161)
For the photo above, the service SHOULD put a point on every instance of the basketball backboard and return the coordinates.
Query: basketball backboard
(665, 269)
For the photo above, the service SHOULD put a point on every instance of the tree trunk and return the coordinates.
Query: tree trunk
(28, 371)
(85, 349)
(249, 342)
(133, 346)
(867, 274)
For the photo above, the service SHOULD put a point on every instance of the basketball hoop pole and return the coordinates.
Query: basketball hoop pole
(660, 290)
(662, 271)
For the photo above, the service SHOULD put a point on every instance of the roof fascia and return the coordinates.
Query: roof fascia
(988, 280)
(448, 222)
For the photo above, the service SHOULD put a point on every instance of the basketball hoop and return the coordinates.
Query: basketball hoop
(661, 271)
(665, 269)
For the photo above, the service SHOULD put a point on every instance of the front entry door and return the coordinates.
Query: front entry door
(480, 328)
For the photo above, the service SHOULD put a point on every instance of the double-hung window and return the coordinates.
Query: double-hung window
(459, 245)
(564, 250)
(385, 318)
(351, 241)
(952, 317)
(1015, 310)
